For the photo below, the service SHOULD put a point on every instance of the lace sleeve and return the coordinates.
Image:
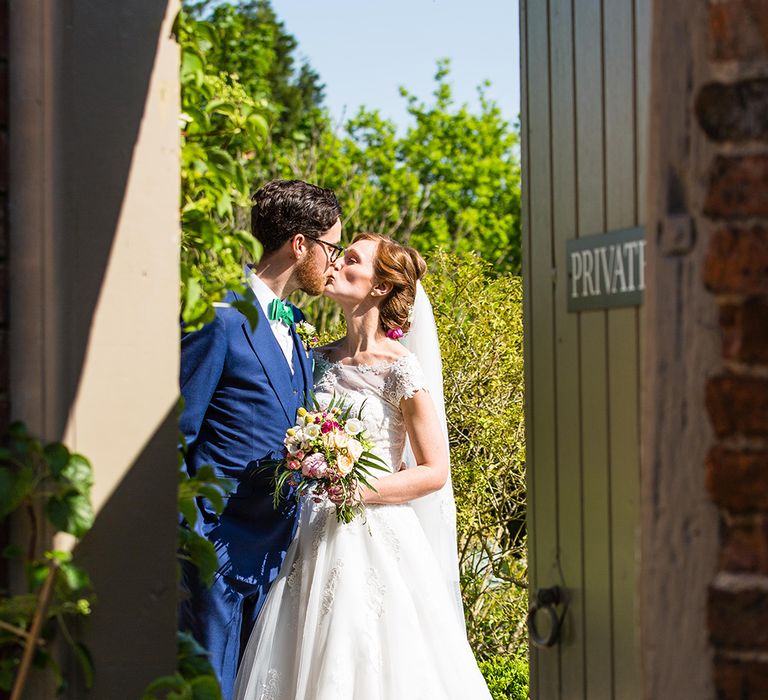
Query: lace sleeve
(404, 380)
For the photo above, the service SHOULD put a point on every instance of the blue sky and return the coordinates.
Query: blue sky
(364, 50)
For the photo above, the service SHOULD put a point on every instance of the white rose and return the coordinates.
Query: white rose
(341, 440)
(355, 449)
(344, 464)
(353, 426)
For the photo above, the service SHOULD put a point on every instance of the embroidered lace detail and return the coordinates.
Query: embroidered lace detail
(330, 589)
(389, 537)
(294, 576)
(270, 688)
(318, 530)
(376, 591)
(405, 379)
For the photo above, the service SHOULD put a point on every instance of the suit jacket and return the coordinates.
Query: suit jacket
(239, 399)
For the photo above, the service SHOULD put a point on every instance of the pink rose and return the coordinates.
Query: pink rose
(294, 464)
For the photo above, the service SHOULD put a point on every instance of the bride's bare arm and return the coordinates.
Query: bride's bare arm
(428, 445)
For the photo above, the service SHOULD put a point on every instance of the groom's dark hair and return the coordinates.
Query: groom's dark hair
(283, 208)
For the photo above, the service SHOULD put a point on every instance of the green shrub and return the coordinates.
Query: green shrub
(507, 677)
(479, 322)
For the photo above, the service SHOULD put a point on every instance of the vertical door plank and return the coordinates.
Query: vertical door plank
(528, 346)
(593, 359)
(542, 371)
(566, 351)
(623, 361)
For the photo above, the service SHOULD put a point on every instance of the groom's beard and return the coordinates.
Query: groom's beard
(310, 278)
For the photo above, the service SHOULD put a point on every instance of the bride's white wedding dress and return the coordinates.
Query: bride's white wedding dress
(360, 611)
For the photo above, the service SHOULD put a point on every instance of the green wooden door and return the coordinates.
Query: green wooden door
(585, 83)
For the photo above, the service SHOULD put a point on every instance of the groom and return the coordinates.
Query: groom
(241, 390)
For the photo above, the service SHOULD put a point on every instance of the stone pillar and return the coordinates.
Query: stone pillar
(94, 235)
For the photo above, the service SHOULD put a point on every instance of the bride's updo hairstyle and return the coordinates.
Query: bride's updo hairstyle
(401, 266)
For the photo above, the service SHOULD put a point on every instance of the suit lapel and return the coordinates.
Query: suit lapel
(270, 355)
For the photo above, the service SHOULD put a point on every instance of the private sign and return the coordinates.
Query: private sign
(606, 270)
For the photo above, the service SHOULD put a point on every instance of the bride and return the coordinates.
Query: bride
(371, 610)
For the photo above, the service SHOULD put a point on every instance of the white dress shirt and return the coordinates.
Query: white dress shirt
(282, 333)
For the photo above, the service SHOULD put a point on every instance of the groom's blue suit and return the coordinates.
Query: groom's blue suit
(240, 397)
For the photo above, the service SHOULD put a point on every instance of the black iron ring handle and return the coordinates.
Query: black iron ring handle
(546, 599)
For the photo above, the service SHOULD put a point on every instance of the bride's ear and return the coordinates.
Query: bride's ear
(381, 289)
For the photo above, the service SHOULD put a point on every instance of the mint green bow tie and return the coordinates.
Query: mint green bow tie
(278, 311)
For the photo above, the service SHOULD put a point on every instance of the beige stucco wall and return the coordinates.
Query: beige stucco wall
(94, 297)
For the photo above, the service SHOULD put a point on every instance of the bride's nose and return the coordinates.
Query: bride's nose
(339, 263)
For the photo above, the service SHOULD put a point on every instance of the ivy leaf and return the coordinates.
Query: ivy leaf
(79, 473)
(57, 456)
(15, 486)
(75, 577)
(70, 513)
(203, 555)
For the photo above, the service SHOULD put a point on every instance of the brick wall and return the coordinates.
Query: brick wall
(732, 111)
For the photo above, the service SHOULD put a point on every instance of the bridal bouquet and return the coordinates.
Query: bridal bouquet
(329, 452)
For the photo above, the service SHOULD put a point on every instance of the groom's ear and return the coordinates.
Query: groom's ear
(298, 245)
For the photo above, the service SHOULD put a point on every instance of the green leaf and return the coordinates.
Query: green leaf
(70, 513)
(15, 486)
(249, 310)
(79, 473)
(57, 456)
(203, 555)
(75, 577)
(206, 688)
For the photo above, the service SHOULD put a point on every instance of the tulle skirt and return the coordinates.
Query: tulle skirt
(359, 612)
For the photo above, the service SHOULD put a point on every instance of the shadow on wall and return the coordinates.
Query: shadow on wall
(130, 554)
(106, 53)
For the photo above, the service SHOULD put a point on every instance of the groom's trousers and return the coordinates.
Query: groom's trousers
(220, 618)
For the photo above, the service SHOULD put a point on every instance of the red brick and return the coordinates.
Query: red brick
(740, 680)
(745, 547)
(738, 30)
(744, 331)
(737, 261)
(738, 619)
(734, 111)
(738, 480)
(738, 404)
(737, 187)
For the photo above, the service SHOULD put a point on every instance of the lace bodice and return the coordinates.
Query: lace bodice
(379, 389)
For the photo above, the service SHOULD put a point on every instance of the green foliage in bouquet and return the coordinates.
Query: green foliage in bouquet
(479, 321)
(50, 487)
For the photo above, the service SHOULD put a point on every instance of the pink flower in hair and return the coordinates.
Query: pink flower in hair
(395, 333)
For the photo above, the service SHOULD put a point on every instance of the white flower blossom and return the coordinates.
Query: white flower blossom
(353, 426)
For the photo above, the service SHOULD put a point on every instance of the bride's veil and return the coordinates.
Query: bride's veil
(437, 511)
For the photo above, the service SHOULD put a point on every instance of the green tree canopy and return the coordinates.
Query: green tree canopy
(451, 180)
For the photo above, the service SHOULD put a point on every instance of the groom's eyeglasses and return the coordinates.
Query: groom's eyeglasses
(334, 251)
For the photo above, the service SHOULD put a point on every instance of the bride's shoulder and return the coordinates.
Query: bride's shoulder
(405, 378)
